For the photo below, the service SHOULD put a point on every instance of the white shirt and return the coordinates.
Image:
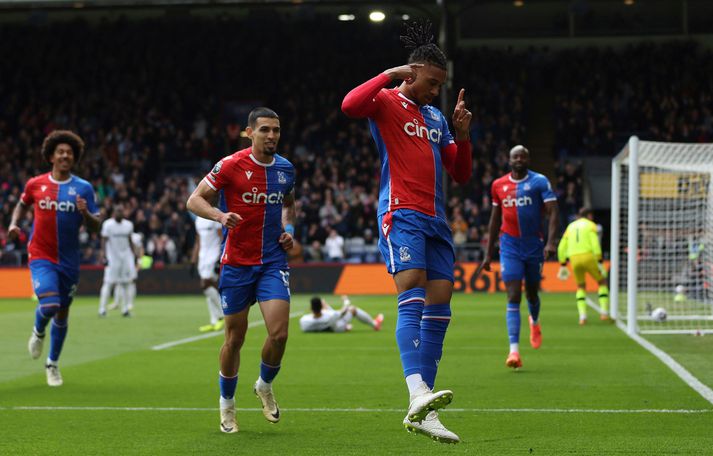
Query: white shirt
(210, 233)
(335, 246)
(327, 320)
(137, 240)
(118, 239)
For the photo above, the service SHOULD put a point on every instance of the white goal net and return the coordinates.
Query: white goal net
(662, 237)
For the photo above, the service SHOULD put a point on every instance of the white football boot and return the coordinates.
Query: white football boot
(270, 409)
(35, 344)
(431, 427)
(54, 378)
(228, 424)
(426, 401)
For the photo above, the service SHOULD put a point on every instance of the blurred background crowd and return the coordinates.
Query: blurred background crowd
(155, 121)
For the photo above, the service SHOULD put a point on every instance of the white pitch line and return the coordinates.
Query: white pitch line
(188, 340)
(665, 358)
(358, 410)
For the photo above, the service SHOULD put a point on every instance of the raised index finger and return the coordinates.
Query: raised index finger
(461, 94)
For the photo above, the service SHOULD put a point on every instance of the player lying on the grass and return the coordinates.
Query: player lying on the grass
(415, 144)
(324, 318)
(62, 202)
(257, 209)
(519, 200)
(580, 245)
(206, 257)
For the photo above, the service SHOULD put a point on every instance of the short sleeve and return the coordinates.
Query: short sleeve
(91, 200)
(547, 193)
(105, 228)
(217, 177)
(27, 197)
(495, 198)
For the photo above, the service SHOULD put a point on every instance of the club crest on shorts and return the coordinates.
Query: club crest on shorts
(281, 178)
(404, 254)
(223, 302)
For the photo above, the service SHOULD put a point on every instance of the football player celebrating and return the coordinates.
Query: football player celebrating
(62, 202)
(519, 199)
(257, 208)
(415, 144)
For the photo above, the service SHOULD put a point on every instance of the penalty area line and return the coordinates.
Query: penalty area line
(209, 335)
(360, 410)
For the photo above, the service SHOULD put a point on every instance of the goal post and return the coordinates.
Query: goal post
(662, 238)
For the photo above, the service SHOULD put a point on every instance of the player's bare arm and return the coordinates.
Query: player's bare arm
(13, 231)
(200, 204)
(289, 216)
(92, 221)
(196, 248)
(493, 231)
(102, 251)
(552, 211)
(462, 118)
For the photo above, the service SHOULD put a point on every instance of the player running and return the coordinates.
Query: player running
(206, 255)
(257, 208)
(120, 253)
(62, 202)
(324, 318)
(580, 245)
(414, 145)
(519, 199)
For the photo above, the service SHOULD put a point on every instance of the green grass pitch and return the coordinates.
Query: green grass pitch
(588, 390)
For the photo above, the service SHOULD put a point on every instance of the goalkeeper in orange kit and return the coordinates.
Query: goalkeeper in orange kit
(580, 245)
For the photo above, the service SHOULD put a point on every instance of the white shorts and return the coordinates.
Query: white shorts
(122, 271)
(207, 270)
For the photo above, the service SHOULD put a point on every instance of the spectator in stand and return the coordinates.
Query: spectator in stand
(334, 246)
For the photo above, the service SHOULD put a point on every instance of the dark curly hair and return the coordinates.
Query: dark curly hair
(58, 137)
(419, 40)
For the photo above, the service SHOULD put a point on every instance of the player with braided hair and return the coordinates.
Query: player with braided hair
(415, 144)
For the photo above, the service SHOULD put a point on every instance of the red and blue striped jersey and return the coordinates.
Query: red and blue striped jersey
(414, 144)
(522, 203)
(255, 191)
(55, 231)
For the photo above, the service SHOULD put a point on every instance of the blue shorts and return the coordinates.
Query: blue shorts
(521, 258)
(412, 240)
(49, 277)
(242, 286)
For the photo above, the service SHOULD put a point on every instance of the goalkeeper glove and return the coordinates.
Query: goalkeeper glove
(563, 273)
(602, 269)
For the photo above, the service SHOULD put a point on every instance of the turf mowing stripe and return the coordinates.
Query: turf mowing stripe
(679, 370)
(358, 410)
(665, 358)
(188, 340)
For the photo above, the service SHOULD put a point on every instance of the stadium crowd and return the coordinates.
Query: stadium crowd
(154, 123)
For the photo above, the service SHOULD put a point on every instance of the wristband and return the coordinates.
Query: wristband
(289, 228)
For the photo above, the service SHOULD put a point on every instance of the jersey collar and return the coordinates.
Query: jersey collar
(517, 181)
(55, 181)
(401, 95)
(258, 162)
